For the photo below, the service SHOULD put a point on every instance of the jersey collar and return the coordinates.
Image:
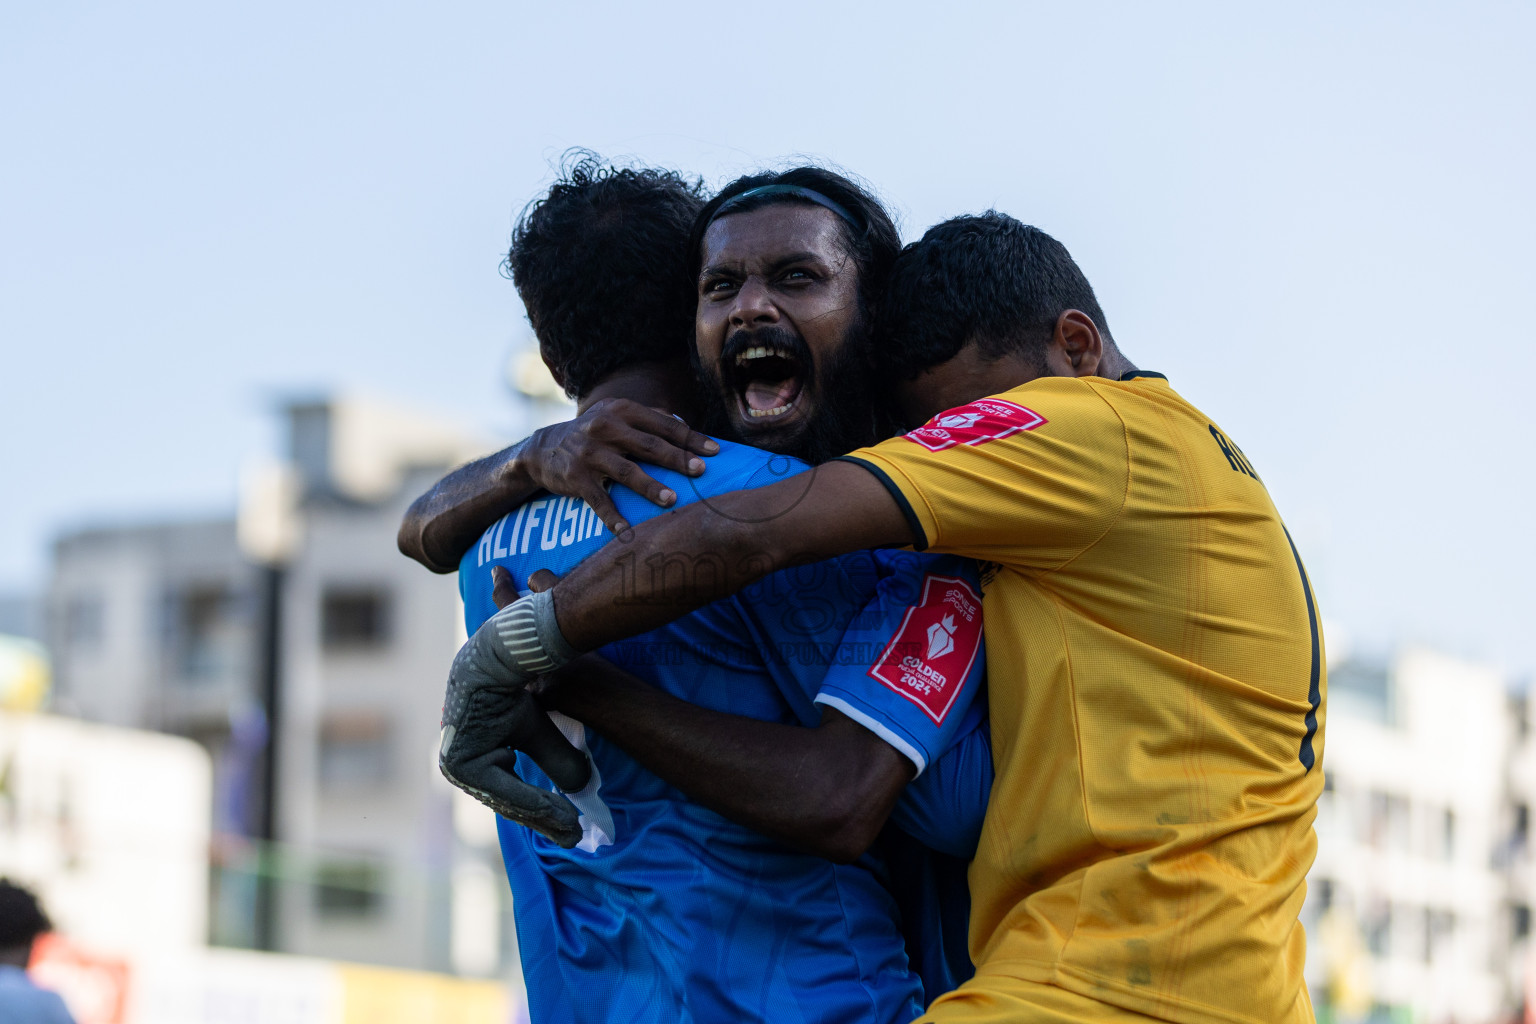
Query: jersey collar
(1133, 374)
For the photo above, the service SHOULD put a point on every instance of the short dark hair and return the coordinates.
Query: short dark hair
(872, 240)
(988, 278)
(21, 919)
(600, 264)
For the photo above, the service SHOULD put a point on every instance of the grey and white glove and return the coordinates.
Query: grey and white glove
(488, 714)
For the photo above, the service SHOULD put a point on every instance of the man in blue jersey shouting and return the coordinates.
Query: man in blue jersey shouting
(800, 710)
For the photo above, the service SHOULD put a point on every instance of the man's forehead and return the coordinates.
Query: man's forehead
(772, 232)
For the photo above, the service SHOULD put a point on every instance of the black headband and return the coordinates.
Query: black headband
(798, 191)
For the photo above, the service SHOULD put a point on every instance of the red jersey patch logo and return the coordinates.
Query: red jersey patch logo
(930, 656)
(986, 420)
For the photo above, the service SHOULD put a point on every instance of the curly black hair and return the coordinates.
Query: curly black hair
(986, 277)
(873, 241)
(21, 919)
(600, 263)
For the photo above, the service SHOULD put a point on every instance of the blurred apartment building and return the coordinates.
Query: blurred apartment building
(1418, 905)
(298, 621)
(1516, 857)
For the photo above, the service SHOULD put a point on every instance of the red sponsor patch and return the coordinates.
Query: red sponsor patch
(930, 656)
(985, 420)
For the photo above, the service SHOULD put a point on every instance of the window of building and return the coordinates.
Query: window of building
(356, 750)
(1378, 930)
(1520, 832)
(350, 888)
(1399, 824)
(354, 618)
(1322, 894)
(1364, 689)
(84, 622)
(1440, 931)
(1376, 819)
(206, 633)
(200, 611)
(1447, 834)
(1443, 931)
(1519, 922)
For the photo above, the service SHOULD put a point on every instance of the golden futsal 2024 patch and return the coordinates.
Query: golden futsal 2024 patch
(929, 658)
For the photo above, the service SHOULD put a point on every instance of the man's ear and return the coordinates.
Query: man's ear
(554, 371)
(1077, 348)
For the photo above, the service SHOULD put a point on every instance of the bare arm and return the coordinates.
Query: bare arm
(826, 790)
(446, 521)
(575, 458)
(727, 542)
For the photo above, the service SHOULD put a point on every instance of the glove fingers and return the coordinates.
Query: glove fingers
(487, 779)
(532, 732)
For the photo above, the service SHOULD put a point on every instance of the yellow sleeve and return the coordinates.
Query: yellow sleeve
(1031, 477)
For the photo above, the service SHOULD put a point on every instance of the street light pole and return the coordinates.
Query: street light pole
(269, 693)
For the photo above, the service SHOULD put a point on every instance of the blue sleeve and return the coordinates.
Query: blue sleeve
(943, 808)
(475, 592)
(796, 618)
(911, 664)
(736, 468)
(774, 469)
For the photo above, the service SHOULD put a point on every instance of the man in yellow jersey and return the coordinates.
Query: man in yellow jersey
(1155, 666)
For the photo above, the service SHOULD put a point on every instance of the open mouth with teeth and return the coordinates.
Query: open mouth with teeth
(768, 381)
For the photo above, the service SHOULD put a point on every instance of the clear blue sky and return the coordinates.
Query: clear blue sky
(1317, 219)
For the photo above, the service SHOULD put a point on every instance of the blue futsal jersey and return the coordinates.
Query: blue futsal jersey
(666, 911)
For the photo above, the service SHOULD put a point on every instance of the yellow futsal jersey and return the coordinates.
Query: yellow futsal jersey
(1156, 681)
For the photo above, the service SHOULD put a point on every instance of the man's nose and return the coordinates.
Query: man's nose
(754, 304)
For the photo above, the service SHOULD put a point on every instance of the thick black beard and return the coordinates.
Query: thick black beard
(849, 414)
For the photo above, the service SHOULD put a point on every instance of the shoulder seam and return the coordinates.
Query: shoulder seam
(919, 535)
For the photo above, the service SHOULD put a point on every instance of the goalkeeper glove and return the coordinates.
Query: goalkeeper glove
(488, 713)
